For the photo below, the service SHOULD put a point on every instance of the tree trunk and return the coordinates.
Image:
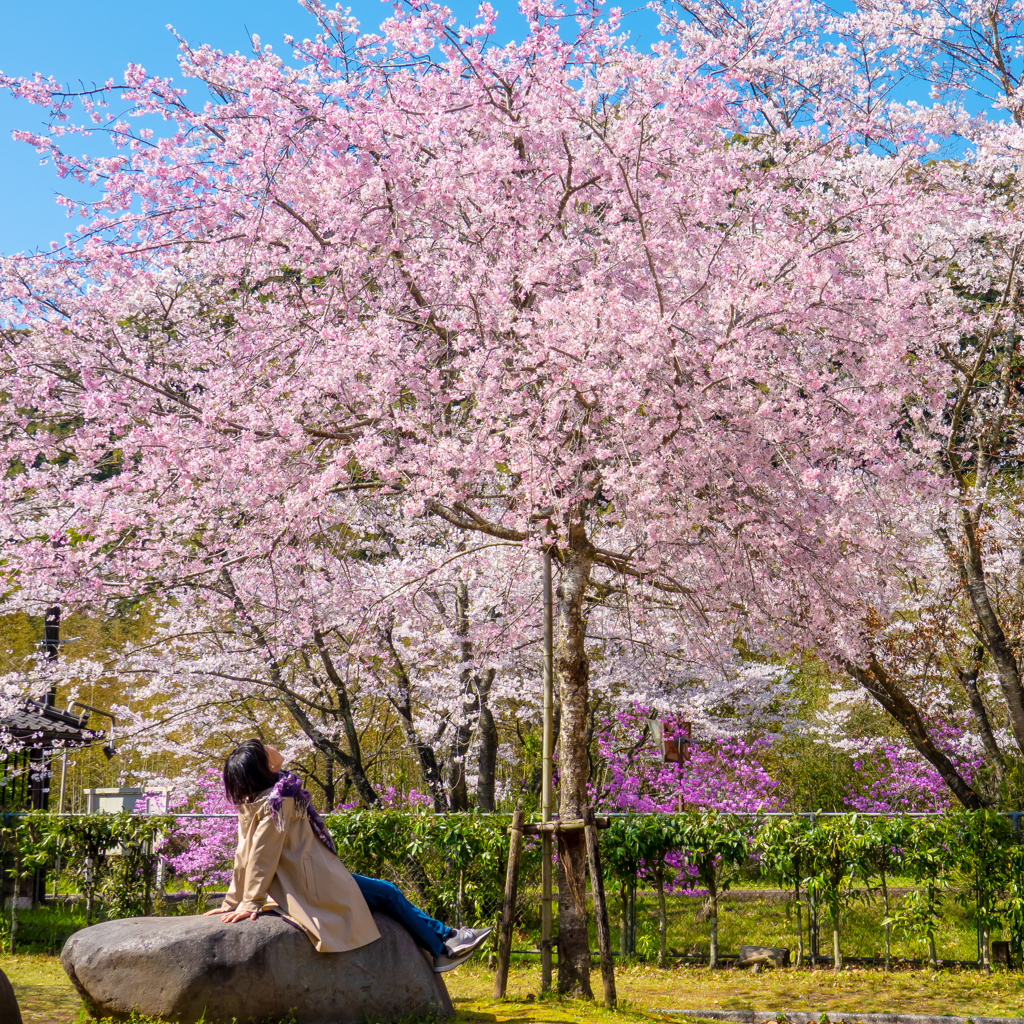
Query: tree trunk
(458, 793)
(812, 929)
(972, 573)
(90, 890)
(423, 751)
(799, 930)
(632, 916)
(487, 759)
(837, 953)
(14, 907)
(933, 959)
(969, 681)
(982, 904)
(351, 759)
(572, 670)
(329, 785)
(713, 921)
(623, 920)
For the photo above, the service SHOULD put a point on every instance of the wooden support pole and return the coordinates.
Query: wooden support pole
(508, 909)
(604, 935)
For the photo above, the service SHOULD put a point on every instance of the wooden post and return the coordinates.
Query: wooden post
(604, 935)
(508, 909)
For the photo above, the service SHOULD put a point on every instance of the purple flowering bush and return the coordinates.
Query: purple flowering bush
(206, 845)
(724, 774)
(894, 778)
(392, 798)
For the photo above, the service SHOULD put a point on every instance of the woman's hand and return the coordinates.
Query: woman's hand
(214, 912)
(238, 915)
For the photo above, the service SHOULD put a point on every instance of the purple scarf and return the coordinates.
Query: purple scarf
(288, 785)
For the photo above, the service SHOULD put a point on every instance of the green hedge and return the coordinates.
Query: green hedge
(111, 855)
(455, 865)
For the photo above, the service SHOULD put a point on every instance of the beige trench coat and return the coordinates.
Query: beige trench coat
(292, 873)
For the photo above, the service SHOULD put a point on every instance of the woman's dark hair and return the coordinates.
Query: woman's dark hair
(247, 772)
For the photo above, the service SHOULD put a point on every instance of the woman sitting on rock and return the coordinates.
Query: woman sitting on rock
(286, 862)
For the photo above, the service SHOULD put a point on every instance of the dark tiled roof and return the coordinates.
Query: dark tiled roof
(45, 725)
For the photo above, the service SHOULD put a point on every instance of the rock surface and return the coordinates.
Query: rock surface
(768, 956)
(9, 1012)
(180, 967)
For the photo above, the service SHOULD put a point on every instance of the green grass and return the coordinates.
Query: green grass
(770, 923)
(46, 929)
(646, 989)
(46, 995)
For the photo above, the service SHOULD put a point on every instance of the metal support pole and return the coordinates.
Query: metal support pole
(60, 810)
(548, 738)
(63, 780)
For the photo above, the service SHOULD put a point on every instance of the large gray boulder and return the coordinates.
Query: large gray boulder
(9, 1012)
(179, 968)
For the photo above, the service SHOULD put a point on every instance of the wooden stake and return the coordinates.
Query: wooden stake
(604, 935)
(508, 909)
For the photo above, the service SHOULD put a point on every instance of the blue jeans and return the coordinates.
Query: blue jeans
(388, 898)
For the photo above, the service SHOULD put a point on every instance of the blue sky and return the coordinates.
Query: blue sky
(93, 40)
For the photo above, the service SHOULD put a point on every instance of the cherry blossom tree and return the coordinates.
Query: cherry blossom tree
(554, 294)
(349, 675)
(790, 67)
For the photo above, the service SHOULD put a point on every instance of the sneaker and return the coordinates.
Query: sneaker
(444, 962)
(466, 940)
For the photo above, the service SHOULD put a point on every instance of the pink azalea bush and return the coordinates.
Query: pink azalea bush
(391, 797)
(723, 774)
(207, 844)
(892, 777)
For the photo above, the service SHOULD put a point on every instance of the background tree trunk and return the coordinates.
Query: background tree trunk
(328, 786)
(487, 757)
(713, 923)
(662, 915)
(458, 793)
(902, 709)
